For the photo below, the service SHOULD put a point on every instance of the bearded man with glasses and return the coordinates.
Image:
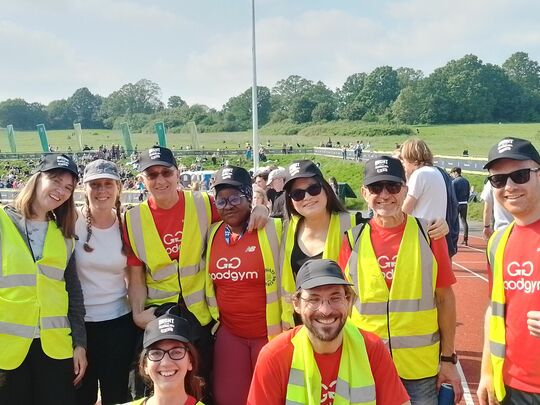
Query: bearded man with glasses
(510, 372)
(327, 360)
(404, 282)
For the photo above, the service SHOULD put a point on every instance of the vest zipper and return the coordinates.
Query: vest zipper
(388, 326)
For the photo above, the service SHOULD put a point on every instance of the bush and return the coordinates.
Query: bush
(356, 129)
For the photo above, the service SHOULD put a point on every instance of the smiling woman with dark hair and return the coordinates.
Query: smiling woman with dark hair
(241, 286)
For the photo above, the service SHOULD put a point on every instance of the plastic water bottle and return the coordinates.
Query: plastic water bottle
(446, 394)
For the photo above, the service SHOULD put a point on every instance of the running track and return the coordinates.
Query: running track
(471, 292)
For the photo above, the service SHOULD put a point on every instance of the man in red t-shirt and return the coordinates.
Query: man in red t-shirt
(404, 282)
(327, 357)
(510, 362)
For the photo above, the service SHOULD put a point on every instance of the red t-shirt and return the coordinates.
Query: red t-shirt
(521, 279)
(271, 375)
(386, 243)
(237, 271)
(170, 224)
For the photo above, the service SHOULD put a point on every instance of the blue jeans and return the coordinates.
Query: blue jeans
(423, 391)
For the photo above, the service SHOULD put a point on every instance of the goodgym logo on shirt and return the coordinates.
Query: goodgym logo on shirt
(520, 277)
(172, 242)
(387, 266)
(228, 271)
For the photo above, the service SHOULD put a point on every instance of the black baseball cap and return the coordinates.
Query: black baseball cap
(383, 168)
(512, 148)
(319, 272)
(301, 169)
(232, 176)
(156, 156)
(167, 327)
(54, 161)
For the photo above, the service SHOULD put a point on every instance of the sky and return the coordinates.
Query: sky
(200, 50)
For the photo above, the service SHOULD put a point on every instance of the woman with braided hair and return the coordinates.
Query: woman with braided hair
(101, 262)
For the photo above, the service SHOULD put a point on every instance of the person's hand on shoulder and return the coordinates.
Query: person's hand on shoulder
(437, 228)
(258, 218)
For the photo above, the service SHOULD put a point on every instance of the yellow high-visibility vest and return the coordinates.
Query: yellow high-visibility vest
(355, 383)
(162, 274)
(404, 317)
(497, 330)
(33, 294)
(269, 239)
(340, 222)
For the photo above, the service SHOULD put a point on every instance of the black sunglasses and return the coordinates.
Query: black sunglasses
(391, 187)
(299, 194)
(520, 176)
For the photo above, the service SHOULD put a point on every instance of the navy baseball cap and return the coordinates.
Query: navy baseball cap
(53, 161)
(232, 176)
(156, 156)
(301, 169)
(383, 168)
(167, 327)
(512, 148)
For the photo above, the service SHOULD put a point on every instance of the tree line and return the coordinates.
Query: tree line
(465, 90)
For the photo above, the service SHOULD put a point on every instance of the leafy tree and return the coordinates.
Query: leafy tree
(381, 88)
(175, 102)
(348, 106)
(241, 107)
(524, 71)
(22, 115)
(85, 108)
(60, 114)
(408, 76)
(301, 109)
(323, 112)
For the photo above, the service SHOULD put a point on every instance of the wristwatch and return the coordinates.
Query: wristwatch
(450, 359)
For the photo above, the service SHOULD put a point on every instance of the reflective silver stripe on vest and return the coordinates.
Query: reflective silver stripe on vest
(279, 268)
(497, 309)
(273, 330)
(344, 223)
(497, 349)
(194, 298)
(160, 294)
(411, 342)
(54, 322)
(296, 377)
(211, 301)
(69, 247)
(18, 280)
(164, 272)
(370, 308)
(355, 395)
(272, 297)
(494, 245)
(137, 232)
(51, 272)
(14, 329)
(187, 271)
(271, 232)
(290, 402)
(202, 217)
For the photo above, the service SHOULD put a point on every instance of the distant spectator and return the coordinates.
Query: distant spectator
(462, 188)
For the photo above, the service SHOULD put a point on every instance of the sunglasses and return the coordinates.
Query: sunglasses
(166, 173)
(391, 187)
(520, 176)
(299, 194)
(233, 200)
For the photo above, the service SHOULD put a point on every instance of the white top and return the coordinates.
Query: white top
(501, 216)
(101, 272)
(36, 232)
(427, 186)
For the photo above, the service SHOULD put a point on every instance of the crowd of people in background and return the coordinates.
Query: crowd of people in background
(263, 290)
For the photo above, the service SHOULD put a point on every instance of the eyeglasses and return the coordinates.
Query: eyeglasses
(234, 200)
(299, 194)
(520, 176)
(166, 173)
(391, 187)
(176, 353)
(336, 302)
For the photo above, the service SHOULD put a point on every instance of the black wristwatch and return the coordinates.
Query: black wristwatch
(450, 359)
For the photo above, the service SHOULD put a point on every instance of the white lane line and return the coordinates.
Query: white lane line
(470, 271)
(473, 248)
(467, 396)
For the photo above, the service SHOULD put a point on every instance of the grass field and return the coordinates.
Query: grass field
(443, 139)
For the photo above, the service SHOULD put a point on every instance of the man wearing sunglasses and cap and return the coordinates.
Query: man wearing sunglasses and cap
(326, 360)
(404, 281)
(510, 370)
(166, 234)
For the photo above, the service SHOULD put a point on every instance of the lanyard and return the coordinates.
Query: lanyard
(228, 233)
